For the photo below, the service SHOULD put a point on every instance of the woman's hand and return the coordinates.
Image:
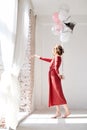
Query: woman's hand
(37, 56)
(61, 76)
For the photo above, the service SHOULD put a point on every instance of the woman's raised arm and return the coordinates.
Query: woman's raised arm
(42, 58)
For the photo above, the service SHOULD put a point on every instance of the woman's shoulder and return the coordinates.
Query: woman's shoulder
(57, 56)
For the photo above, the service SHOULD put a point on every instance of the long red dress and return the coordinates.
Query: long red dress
(56, 96)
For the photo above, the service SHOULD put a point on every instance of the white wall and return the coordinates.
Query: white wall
(74, 62)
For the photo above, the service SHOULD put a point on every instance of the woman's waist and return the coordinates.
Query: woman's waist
(53, 69)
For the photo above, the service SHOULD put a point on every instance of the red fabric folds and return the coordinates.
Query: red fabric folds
(56, 95)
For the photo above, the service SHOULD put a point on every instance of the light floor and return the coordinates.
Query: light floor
(41, 120)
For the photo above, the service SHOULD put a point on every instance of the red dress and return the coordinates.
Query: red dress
(56, 96)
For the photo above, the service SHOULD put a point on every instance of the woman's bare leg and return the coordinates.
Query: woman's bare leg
(67, 111)
(58, 113)
(2, 123)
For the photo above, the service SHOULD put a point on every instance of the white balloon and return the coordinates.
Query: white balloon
(66, 29)
(65, 36)
(64, 12)
(63, 15)
(55, 31)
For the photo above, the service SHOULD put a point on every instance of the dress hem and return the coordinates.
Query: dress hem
(56, 104)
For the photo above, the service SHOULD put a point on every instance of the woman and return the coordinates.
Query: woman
(56, 96)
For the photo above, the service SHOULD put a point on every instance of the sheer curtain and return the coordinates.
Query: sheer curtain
(17, 45)
(9, 85)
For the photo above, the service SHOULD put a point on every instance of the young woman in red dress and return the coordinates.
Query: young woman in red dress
(56, 95)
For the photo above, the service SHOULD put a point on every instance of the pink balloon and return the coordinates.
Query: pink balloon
(56, 18)
(59, 27)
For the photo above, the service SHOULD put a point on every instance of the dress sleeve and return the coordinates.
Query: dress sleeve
(45, 59)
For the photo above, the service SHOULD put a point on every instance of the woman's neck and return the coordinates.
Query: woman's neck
(57, 54)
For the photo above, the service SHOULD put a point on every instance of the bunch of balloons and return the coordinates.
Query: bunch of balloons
(63, 26)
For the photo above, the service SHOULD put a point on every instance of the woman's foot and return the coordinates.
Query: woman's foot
(2, 123)
(66, 115)
(57, 115)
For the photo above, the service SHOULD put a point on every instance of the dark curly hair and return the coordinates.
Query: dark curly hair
(60, 50)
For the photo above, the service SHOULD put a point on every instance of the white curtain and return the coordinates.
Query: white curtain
(12, 57)
(14, 38)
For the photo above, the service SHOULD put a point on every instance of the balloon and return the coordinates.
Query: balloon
(55, 31)
(57, 28)
(56, 18)
(63, 12)
(70, 25)
(65, 36)
(63, 16)
(64, 26)
(67, 20)
(58, 24)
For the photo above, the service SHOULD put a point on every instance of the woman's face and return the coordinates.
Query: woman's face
(54, 50)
